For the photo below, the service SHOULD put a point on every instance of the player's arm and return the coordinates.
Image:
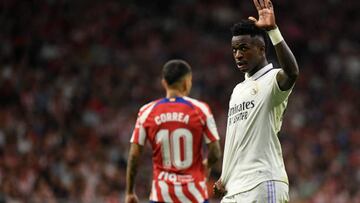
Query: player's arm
(214, 154)
(131, 171)
(212, 141)
(290, 70)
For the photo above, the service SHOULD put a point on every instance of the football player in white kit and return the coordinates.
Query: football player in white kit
(253, 168)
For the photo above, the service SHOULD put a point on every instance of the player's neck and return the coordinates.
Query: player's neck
(171, 93)
(256, 69)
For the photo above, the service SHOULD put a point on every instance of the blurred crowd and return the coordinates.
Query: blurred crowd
(73, 75)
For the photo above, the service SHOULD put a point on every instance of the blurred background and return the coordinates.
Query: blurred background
(73, 74)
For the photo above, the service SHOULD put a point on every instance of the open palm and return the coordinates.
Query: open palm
(266, 15)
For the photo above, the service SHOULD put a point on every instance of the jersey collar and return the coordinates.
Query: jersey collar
(260, 72)
(174, 100)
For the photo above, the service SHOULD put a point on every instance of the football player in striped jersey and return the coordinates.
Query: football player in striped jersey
(176, 127)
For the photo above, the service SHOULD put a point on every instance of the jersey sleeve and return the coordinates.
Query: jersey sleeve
(278, 95)
(139, 134)
(211, 132)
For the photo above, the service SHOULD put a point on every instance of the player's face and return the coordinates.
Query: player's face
(248, 52)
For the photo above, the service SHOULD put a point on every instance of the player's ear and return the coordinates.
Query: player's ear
(163, 83)
(188, 83)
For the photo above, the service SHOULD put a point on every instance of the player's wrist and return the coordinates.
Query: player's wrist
(275, 35)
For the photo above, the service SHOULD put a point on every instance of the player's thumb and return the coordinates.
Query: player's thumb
(252, 19)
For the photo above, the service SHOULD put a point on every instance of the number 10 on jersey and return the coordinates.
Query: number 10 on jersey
(171, 147)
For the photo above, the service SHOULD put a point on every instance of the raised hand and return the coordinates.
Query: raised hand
(266, 15)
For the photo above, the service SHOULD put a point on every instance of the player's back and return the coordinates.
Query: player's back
(175, 128)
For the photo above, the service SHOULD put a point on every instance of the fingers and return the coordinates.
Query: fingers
(252, 19)
(257, 5)
(219, 190)
(218, 183)
(216, 191)
(262, 4)
(269, 4)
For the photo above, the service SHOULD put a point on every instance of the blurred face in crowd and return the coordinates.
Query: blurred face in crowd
(248, 52)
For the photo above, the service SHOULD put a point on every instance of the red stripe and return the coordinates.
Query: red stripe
(172, 193)
(207, 107)
(203, 116)
(146, 107)
(188, 194)
(158, 190)
(201, 190)
(209, 135)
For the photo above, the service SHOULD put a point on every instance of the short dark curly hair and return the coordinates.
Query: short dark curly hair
(248, 27)
(174, 70)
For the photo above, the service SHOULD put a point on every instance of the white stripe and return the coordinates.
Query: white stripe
(132, 137)
(153, 196)
(146, 113)
(164, 189)
(195, 192)
(207, 140)
(179, 194)
(142, 135)
(210, 122)
(140, 121)
(203, 185)
(146, 105)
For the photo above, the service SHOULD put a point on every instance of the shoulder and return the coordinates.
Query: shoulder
(203, 106)
(273, 72)
(269, 76)
(147, 106)
(238, 86)
(146, 109)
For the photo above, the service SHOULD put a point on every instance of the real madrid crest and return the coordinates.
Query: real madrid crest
(254, 89)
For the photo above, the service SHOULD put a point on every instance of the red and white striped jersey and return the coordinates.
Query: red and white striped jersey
(176, 128)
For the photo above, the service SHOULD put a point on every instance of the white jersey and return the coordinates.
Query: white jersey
(252, 152)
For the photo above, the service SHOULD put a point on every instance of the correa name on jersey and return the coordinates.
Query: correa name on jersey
(240, 111)
(172, 116)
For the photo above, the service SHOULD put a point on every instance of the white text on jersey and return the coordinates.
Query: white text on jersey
(174, 177)
(172, 116)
